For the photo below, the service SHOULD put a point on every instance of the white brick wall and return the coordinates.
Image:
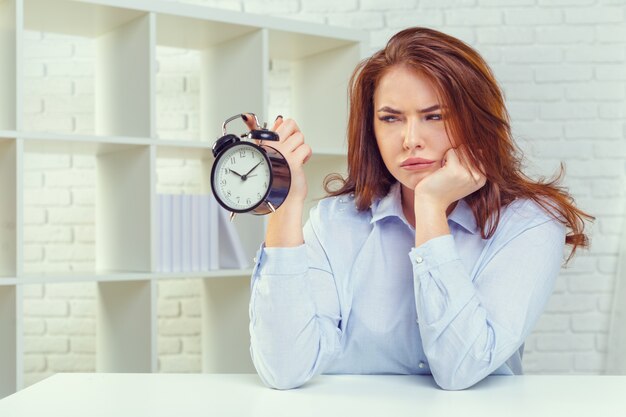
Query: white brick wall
(561, 63)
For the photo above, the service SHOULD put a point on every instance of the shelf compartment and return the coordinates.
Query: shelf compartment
(10, 13)
(309, 62)
(225, 322)
(229, 70)
(123, 67)
(11, 362)
(126, 326)
(188, 170)
(119, 209)
(316, 169)
(124, 210)
(8, 207)
(52, 342)
(179, 325)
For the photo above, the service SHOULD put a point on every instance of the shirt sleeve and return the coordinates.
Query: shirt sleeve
(294, 313)
(470, 328)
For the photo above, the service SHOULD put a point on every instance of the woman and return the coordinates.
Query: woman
(436, 255)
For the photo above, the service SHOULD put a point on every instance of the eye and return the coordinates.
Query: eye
(435, 117)
(387, 119)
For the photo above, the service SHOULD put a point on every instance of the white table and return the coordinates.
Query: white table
(136, 395)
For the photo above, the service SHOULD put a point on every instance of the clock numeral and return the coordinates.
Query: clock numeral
(258, 195)
(226, 171)
(228, 193)
(232, 160)
(242, 154)
(248, 201)
(265, 184)
(223, 182)
(238, 198)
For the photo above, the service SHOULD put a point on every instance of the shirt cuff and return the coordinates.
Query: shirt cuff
(433, 253)
(282, 261)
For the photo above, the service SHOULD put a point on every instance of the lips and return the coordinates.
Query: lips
(416, 161)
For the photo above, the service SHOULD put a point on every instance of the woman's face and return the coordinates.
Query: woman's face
(408, 123)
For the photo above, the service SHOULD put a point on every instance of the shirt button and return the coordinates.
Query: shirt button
(419, 259)
(421, 365)
(254, 259)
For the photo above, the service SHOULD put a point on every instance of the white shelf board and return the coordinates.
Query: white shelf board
(179, 149)
(234, 17)
(92, 18)
(7, 281)
(78, 144)
(8, 134)
(193, 33)
(97, 145)
(290, 46)
(90, 276)
(75, 18)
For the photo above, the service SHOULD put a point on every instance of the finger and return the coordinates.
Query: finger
(293, 141)
(277, 122)
(302, 153)
(286, 129)
(450, 157)
(462, 156)
(306, 159)
(249, 120)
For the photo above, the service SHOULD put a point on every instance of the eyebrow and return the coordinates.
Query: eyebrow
(394, 111)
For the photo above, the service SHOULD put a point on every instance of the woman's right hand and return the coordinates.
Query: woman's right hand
(296, 152)
(284, 227)
(291, 144)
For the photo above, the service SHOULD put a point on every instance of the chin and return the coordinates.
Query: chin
(412, 181)
(409, 184)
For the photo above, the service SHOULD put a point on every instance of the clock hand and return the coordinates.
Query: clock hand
(238, 174)
(253, 168)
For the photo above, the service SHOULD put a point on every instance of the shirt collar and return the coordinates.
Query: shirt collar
(391, 206)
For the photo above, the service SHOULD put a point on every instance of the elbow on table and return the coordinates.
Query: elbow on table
(451, 381)
(279, 375)
(282, 382)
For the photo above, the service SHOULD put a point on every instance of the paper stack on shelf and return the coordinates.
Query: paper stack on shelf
(231, 252)
(195, 234)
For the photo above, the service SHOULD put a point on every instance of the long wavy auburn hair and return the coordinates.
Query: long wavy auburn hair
(476, 116)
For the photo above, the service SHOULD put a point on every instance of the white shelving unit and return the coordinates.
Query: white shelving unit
(236, 51)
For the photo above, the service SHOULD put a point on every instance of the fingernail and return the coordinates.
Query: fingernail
(278, 117)
(244, 117)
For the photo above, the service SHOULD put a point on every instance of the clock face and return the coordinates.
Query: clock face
(241, 177)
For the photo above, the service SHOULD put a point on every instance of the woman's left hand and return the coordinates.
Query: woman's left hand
(451, 182)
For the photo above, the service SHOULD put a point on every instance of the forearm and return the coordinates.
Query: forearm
(291, 339)
(460, 340)
(284, 227)
(430, 221)
(284, 333)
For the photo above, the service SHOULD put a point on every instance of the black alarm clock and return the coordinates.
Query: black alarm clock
(247, 177)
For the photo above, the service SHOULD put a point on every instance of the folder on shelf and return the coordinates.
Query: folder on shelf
(195, 233)
(177, 234)
(231, 251)
(185, 222)
(205, 250)
(165, 233)
(214, 235)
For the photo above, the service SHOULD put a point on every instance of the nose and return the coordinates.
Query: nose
(413, 136)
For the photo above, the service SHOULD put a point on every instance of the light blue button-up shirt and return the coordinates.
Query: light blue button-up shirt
(358, 298)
